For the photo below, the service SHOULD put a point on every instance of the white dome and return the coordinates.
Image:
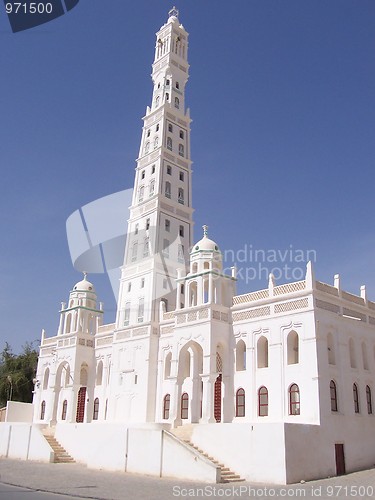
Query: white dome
(205, 243)
(84, 285)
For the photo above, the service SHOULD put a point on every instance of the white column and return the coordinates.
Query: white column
(208, 398)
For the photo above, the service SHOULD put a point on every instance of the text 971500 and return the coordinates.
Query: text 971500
(28, 8)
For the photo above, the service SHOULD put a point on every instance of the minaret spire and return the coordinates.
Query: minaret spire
(173, 12)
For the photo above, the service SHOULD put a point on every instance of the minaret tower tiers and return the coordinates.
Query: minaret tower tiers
(160, 224)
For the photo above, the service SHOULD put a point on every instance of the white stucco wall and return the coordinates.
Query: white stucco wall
(24, 441)
(144, 450)
(256, 452)
(19, 412)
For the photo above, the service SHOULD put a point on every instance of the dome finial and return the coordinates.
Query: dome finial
(85, 275)
(173, 12)
(205, 230)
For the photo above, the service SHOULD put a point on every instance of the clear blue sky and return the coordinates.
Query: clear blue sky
(282, 100)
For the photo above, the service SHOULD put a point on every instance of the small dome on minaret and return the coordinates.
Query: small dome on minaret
(84, 285)
(205, 243)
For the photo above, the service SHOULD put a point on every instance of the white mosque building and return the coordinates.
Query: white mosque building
(276, 385)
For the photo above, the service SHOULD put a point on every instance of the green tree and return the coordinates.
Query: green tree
(17, 372)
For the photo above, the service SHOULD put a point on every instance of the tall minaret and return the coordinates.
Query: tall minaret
(160, 224)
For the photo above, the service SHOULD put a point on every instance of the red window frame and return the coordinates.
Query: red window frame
(263, 401)
(42, 410)
(333, 393)
(166, 406)
(95, 415)
(185, 406)
(294, 400)
(64, 409)
(369, 399)
(240, 402)
(355, 398)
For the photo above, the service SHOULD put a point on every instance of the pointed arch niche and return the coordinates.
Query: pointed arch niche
(240, 356)
(190, 368)
(262, 352)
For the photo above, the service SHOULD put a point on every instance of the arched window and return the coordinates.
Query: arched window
(355, 398)
(42, 410)
(181, 196)
(294, 400)
(262, 352)
(167, 189)
(177, 102)
(167, 96)
(141, 309)
(152, 188)
(127, 314)
(293, 348)
(185, 406)
(166, 406)
(95, 415)
(194, 268)
(240, 403)
(147, 147)
(240, 356)
(369, 399)
(352, 356)
(46, 379)
(99, 373)
(167, 365)
(364, 356)
(141, 193)
(157, 101)
(146, 247)
(134, 251)
(263, 402)
(181, 150)
(64, 409)
(156, 142)
(333, 392)
(331, 349)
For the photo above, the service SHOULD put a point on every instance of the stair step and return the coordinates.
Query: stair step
(61, 456)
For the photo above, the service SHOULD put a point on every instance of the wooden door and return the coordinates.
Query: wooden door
(340, 459)
(81, 405)
(217, 402)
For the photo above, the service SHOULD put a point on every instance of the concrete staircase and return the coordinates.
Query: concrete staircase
(61, 455)
(184, 433)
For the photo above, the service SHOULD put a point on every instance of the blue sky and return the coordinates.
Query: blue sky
(282, 100)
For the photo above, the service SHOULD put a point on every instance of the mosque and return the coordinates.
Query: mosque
(193, 380)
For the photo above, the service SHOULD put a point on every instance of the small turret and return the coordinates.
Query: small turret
(82, 314)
